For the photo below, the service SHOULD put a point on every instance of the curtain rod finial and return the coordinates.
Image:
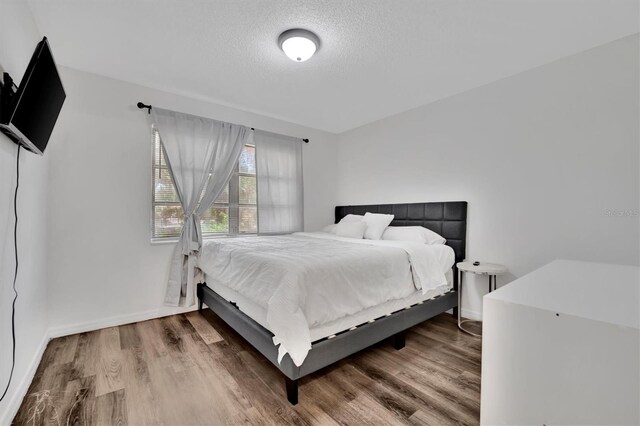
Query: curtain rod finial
(143, 106)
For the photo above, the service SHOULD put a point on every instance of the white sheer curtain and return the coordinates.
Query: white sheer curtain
(279, 173)
(201, 155)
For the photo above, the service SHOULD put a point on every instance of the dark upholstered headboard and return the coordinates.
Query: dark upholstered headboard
(448, 219)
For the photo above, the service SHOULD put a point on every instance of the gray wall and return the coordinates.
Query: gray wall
(542, 158)
(18, 39)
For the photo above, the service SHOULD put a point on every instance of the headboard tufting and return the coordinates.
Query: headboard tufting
(448, 219)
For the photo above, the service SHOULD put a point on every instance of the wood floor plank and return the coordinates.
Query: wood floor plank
(268, 398)
(205, 330)
(109, 370)
(470, 381)
(372, 412)
(435, 374)
(87, 353)
(448, 384)
(129, 337)
(315, 415)
(208, 366)
(350, 400)
(152, 344)
(172, 336)
(141, 405)
(427, 352)
(439, 403)
(64, 349)
(429, 417)
(448, 332)
(40, 408)
(213, 394)
(396, 403)
(111, 409)
(338, 409)
(229, 335)
(444, 397)
(81, 402)
(194, 369)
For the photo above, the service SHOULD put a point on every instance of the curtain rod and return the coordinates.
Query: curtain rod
(149, 107)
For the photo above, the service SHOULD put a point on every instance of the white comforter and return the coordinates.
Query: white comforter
(307, 279)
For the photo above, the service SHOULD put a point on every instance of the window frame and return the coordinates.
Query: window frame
(233, 206)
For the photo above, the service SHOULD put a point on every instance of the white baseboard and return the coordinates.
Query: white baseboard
(21, 388)
(84, 327)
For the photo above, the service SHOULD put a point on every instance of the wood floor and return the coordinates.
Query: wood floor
(194, 369)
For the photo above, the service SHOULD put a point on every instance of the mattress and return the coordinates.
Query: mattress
(297, 284)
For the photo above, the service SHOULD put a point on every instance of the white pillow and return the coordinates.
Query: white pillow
(352, 218)
(376, 224)
(412, 233)
(330, 229)
(351, 229)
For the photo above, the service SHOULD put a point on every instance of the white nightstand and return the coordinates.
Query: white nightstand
(484, 268)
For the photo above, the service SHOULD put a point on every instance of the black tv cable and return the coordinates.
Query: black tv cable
(15, 274)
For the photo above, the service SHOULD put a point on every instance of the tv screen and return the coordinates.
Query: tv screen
(38, 101)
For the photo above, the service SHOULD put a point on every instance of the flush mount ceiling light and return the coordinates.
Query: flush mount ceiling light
(299, 45)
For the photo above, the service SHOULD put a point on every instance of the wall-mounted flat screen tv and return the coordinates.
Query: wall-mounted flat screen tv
(35, 106)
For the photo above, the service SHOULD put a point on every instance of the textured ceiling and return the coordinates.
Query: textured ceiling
(378, 57)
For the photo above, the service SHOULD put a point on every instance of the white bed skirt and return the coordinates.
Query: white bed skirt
(319, 332)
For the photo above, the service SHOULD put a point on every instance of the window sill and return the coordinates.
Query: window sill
(163, 241)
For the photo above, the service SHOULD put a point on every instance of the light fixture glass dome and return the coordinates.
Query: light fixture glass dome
(299, 45)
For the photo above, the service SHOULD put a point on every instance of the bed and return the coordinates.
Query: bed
(279, 292)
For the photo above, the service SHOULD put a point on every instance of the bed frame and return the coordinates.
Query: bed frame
(448, 219)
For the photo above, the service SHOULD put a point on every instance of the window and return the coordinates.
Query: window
(234, 212)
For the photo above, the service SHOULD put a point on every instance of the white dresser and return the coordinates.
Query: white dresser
(561, 345)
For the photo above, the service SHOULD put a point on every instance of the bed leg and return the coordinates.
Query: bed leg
(200, 294)
(399, 340)
(292, 390)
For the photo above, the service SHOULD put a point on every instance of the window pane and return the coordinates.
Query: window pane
(168, 221)
(224, 197)
(248, 160)
(247, 190)
(158, 153)
(165, 191)
(248, 219)
(156, 149)
(215, 220)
